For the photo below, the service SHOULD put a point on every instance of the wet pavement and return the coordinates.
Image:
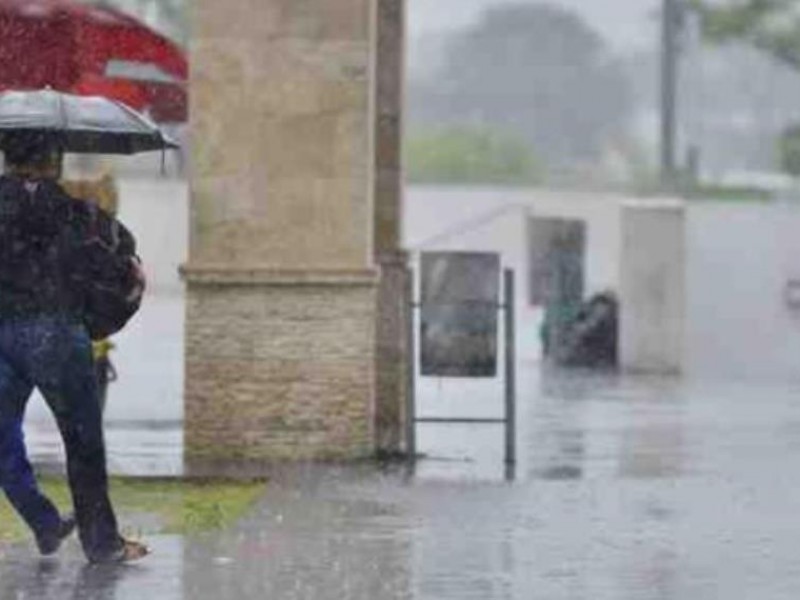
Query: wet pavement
(133, 448)
(24, 575)
(627, 488)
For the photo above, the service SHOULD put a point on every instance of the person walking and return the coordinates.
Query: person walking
(45, 344)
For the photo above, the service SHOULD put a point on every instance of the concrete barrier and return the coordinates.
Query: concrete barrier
(652, 295)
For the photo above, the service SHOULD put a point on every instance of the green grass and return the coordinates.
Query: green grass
(729, 194)
(705, 192)
(152, 506)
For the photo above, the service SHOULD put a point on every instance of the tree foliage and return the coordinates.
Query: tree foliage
(534, 69)
(789, 150)
(470, 156)
(770, 25)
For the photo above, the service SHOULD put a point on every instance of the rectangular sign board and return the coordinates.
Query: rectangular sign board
(460, 294)
(556, 258)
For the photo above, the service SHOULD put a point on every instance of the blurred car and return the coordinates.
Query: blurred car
(92, 50)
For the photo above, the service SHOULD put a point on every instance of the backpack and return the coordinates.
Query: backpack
(105, 277)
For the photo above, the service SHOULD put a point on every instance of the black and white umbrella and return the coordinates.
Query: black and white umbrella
(81, 124)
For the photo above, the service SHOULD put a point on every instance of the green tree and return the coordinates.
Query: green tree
(535, 69)
(470, 156)
(770, 25)
(789, 150)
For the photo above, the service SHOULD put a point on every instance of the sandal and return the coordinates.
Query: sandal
(130, 551)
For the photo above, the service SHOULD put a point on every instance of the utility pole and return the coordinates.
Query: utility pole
(670, 30)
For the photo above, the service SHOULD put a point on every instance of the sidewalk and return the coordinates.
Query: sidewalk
(628, 489)
(134, 448)
(67, 577)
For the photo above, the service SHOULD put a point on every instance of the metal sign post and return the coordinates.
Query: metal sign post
(509, 418)
(411, 367)
(511, 370)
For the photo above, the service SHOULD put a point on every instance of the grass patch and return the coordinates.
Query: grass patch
(729, 194)
(153, 506)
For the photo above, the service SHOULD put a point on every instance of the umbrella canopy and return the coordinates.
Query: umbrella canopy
(82, 124)
(91, 50)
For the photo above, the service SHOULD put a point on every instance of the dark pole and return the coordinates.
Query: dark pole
(670, 25)
(411, 409)
(510, 374)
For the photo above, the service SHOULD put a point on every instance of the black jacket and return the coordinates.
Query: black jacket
(41, 228)
(62, 256)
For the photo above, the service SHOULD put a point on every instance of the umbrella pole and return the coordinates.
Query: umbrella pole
(58, 165)
(62, 109)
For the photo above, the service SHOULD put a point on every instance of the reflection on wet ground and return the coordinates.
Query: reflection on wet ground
(627, 488)
(67, 577)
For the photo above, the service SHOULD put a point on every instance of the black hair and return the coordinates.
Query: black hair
(28, 147)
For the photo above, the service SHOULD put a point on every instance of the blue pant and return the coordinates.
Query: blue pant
(55, 355)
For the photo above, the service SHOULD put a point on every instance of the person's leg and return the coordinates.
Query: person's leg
(16, 474)
(63, 369)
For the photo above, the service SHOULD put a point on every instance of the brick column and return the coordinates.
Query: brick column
(281, 282)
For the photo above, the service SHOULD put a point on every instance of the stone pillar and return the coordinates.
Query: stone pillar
(653, 288)
(281, 282)
(393, 311)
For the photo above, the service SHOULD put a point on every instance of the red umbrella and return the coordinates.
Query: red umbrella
(91, 50)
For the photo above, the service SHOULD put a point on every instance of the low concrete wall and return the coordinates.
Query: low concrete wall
(652, 295)
(740, 259)
(705, 290)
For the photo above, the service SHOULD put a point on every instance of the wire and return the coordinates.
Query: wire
(466, 226)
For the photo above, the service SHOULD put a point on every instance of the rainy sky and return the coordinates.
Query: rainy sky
(626, 24)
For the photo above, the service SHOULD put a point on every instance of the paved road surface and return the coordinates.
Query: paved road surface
(628, 489)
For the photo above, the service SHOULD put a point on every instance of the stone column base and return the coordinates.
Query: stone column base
(279, 365)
